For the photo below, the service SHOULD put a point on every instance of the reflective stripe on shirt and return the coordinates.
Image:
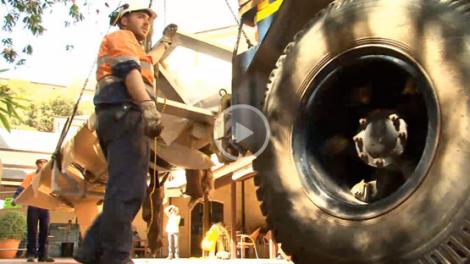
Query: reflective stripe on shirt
(122, 46)
(110, 79)
(116, 60)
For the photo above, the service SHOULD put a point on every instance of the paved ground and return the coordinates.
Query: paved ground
(174, 261)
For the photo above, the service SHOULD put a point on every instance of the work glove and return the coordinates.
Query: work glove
(152, 119)
(169, 34)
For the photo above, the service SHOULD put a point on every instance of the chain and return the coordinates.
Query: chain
(240, 26)
(237, 43)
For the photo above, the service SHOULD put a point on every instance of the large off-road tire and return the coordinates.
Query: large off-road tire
(313, 110)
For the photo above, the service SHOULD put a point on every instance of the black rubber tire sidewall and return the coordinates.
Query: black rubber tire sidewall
(433, 34)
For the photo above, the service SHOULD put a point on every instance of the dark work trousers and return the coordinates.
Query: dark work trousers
(121, 136)
(37, 247)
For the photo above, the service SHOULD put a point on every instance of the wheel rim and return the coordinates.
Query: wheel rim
(349, 87)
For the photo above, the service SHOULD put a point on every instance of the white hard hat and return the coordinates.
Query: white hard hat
(131, 6)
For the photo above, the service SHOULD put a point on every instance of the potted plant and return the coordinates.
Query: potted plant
(12, 231)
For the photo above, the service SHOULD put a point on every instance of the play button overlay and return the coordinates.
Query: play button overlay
(242, 132)
(241, 127)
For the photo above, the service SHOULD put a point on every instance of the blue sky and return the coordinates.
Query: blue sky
(51, 63)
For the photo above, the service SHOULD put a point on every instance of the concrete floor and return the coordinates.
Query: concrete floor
(173, 261)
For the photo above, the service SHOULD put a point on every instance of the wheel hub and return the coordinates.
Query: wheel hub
(381, 139)
(391, 148)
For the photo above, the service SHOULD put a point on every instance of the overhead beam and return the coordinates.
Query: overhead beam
(238, 170)
(10, 183)
(244, 173)
(231, 167)
(199, 44)
(224, 175)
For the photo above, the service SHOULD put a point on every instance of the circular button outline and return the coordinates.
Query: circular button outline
(260, 114)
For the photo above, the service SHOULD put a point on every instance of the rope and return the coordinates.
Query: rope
(154, 178)
(240, 25)
(154, 175)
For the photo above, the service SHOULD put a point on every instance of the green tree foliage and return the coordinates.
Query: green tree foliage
(43, 103)
(40, 115)
(9, 104)
(29, 15)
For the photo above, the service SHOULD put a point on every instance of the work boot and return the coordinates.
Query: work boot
(46, 259)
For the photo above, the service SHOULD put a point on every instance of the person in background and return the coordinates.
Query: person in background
(172, 230)
(36, 246)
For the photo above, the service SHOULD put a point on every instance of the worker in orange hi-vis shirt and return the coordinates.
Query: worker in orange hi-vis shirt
(36, 245)
(127, 118)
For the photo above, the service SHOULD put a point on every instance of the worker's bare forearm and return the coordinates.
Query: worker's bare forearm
(136, 87)
(157, 52)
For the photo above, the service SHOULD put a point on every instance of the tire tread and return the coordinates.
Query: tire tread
(443, 253)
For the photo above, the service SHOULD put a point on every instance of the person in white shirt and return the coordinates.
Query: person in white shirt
(172, 230)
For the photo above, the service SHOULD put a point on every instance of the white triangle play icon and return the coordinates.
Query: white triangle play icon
(241, 132)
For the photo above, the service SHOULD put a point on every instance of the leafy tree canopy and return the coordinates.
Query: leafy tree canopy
(40, 115)
(9, 106)
(37, 105)
(28, 14)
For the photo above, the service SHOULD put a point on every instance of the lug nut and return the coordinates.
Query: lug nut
(379, 163)
(393, 117)
(358, 139)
